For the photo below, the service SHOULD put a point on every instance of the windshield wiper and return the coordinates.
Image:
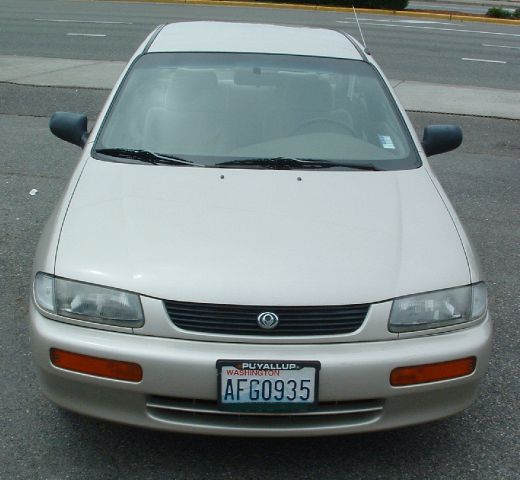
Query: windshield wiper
(288, 163)
(274, 163)
(147, 156)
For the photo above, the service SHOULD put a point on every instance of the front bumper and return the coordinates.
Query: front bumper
(179, 387)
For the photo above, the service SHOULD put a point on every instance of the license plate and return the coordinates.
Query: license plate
(267, 386)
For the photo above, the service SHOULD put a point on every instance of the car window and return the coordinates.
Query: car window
(212, 107)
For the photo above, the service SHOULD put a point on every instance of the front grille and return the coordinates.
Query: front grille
(242, 319)
(206, 412)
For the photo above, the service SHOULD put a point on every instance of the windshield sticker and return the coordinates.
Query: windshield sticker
(386, 142)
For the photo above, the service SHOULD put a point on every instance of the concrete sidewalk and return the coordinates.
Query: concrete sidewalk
(415, 96)
(485, 3)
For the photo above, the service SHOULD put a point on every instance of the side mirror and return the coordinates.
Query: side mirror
(71, 127)
(441, 138)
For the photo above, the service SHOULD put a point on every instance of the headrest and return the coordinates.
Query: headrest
(308, 92)
(192, 89)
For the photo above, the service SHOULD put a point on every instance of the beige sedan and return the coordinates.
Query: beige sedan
(253, 243)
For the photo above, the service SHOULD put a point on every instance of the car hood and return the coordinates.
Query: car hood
(259, 237)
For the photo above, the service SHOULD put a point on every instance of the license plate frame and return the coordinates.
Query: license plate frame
(308, 370)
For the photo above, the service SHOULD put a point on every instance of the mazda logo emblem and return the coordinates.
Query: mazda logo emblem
(267, 320)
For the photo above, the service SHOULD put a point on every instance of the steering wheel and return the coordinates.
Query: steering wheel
(337, 125)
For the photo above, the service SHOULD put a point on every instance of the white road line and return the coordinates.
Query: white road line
(400, 21)
(499, 46)
(366, 20)
(86, 34)
(80, 21)
(422, 22)
(482, 32)
(429, 6)
(459, 8)
(482, 60)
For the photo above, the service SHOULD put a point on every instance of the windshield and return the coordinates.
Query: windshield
(211, 108)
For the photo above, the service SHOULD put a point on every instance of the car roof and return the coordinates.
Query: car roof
(253, 38)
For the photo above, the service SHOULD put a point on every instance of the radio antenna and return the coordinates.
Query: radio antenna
(359, 26)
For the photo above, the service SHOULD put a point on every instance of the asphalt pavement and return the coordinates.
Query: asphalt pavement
(408, 48)
(40, 441)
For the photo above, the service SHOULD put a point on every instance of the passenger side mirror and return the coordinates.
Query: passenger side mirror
(441, 138)
(71, 127)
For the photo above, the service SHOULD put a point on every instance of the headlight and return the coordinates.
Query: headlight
(87, 302)
(438, 309)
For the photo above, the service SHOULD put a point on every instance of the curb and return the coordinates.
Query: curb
(414, 96)
(237, 3)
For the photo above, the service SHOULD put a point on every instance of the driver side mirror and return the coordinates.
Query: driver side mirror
(441, 138)
(71, 127)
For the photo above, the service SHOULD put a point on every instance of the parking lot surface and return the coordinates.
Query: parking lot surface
(40, 441)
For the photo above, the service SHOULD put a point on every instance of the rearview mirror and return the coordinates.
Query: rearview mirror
(71, 127)
(441, 138)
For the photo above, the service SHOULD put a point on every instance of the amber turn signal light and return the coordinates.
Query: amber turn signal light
(432, 372)
(100, 367)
